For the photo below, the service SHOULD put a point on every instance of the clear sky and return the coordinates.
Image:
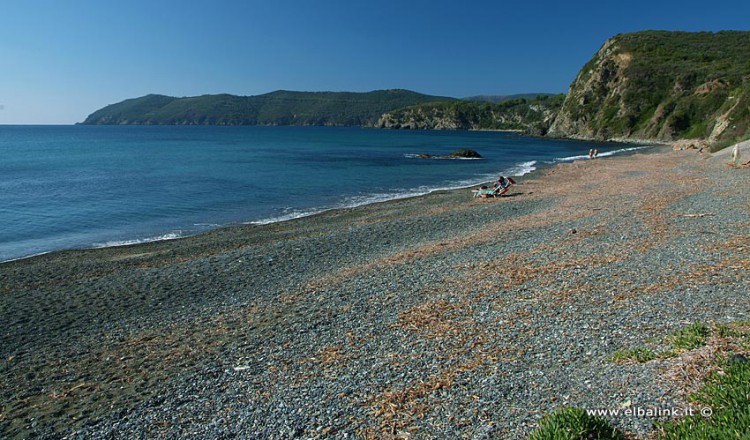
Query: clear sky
(61, 60)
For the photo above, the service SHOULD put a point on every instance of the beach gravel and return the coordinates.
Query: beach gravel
(441, 316)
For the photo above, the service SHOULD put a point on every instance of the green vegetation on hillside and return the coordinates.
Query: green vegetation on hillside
(645, 85)
(531, 115)
(664, 85)
(277, 108)
(503, 98)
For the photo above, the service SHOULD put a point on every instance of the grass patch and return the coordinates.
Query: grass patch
(734, 330)
(690, 337)
(720, 373)
(727, 331)
(666, 354)
(727, 394)
(640, 355)
(572, 424)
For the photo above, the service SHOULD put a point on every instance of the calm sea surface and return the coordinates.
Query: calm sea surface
(65, 187)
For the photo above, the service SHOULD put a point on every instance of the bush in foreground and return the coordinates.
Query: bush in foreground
(574, 424)
(690, 337)
(726, 406)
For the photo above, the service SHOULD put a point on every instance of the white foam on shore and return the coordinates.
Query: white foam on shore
(521, 169)
(438, 157)
(115, 243)
(26, 256)
(295, 214)
(517, 170)
(605, 154)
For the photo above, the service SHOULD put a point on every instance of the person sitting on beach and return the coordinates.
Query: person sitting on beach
(483, 192)
(500, 188)
(502, 185)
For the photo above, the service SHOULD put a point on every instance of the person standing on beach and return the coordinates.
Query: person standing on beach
(736, 155)
(596, 153)
(591, 153)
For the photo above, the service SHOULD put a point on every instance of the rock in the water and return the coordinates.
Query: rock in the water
(466, 153)
(460, 154)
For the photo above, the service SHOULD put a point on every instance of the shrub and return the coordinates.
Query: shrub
(727, 396)
(573, 424)
(690, 337)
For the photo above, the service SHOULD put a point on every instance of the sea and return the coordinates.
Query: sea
(80, 186)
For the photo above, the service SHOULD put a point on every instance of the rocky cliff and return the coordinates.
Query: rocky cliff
(530, 115)
(664, 86)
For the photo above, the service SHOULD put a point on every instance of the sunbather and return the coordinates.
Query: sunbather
(500, 188)
(502, 185)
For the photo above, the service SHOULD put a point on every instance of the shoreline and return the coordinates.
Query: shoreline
(389, 317)
(527, 169)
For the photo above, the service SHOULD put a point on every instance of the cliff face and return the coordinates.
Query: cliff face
(423, 118)
(531, 115)
(664, 86)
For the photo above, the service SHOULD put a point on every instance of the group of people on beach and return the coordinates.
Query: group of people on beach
(500, 187)
(502, 184)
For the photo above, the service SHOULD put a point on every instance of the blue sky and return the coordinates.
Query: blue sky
(61, 60)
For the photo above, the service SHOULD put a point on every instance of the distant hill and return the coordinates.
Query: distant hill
(276, 108)
(502, 98)
(529, 115)
(650, 85)
(662, 85)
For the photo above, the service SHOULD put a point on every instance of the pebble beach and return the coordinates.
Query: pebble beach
(440, 316)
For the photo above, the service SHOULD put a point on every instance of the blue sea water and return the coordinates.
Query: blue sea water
(64, 187)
